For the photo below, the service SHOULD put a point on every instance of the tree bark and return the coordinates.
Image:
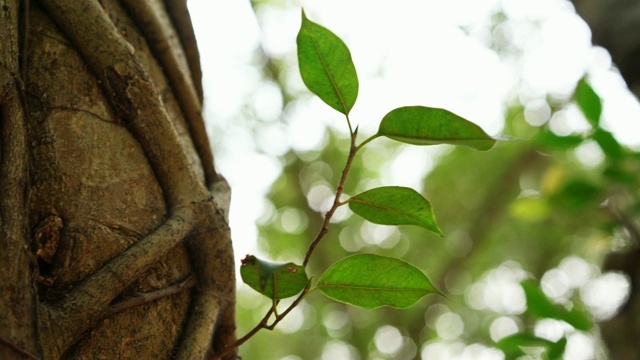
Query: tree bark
(114, 221)
(615, 25)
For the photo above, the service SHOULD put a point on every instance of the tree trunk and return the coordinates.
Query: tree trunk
(615, 25)
(113, 220)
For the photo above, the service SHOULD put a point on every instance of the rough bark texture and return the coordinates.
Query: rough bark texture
(113, 219)
(615, 25)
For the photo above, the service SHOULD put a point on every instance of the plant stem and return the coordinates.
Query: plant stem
(263, 324)
(370, 139)
(351, 132)
(353, 150)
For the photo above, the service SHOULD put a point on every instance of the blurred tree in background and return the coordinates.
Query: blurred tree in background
(538, 233)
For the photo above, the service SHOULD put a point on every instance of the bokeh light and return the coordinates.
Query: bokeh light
(435, 55)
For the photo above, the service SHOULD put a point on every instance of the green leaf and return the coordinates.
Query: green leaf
(617, 173)
(551, 141)
(395, 205)
(540, 306)
(513, 345)
(608, 143)
(589, 102)
(556, 350)
(576, 194)
(371, 281)
(420, 125)
(288, 278)
(326, 66)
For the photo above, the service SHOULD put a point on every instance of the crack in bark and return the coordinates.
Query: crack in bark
(89, 112)
(145, 297)
(16, 348)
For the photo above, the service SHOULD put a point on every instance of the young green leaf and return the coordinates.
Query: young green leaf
(394, 205)
(288, 279)
(371, 281)
(589, 102)
(326, 66)
(540, 306)
(420, 125)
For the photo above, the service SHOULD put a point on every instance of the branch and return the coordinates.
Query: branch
(263, 324)
(353, 150)
(66, 319)
(181, 19)
(160, 35)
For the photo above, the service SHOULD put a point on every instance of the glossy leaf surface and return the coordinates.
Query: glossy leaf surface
(326, 66)
(395, 205)
(420, 125)
(372, 281)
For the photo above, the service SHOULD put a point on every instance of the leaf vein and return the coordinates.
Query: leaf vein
(326, 69)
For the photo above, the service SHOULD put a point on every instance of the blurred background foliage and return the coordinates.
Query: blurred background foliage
(547, 208)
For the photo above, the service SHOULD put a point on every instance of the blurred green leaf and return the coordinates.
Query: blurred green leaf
(548, 140)
(514, 346)
(589, 102)
(540, 306)
(620, 175)
(371, 281)
(420, 125)
(326, 66)
(556, 349)
(578, 193)
(287, 278)
(609, 145)
(395, 205)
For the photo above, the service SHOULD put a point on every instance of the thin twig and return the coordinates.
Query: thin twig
(263, 324)
(291, 307)
(353, 150)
